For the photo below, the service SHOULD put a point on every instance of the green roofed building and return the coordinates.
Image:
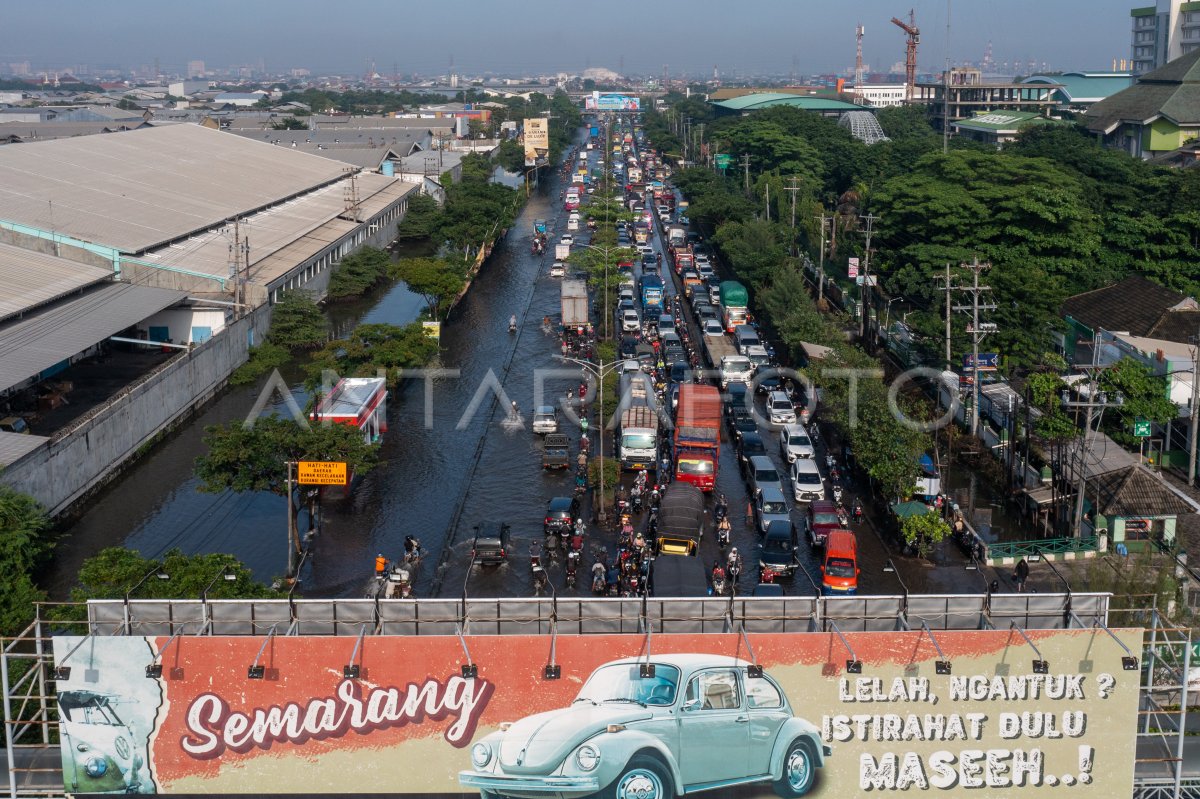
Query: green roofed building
(825, 106)
(1156, 115)
(998, 127)
(1079, 91)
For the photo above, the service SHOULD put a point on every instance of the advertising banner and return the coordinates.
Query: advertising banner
(696, 714)
(537, 137)
(611, 102)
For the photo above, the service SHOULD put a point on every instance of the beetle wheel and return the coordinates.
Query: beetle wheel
(642, 778)
(798, 771)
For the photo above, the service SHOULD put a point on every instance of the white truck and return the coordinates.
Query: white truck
(676, 235)
(637, 442)
(723, 356)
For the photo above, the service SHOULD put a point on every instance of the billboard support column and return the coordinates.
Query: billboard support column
(469, 670)
(854, 664)
(257, 671)
(1040, 666)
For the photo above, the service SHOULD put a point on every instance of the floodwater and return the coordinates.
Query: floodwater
(437, 480)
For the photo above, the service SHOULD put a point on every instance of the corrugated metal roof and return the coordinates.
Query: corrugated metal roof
(14, 446)
(272, 231)
(149, 186)
(33, 278)
(750, 102)
(34, 344)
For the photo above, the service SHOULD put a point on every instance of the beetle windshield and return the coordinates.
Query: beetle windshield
(621, 682)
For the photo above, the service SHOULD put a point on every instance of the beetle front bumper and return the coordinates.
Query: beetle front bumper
(529, 786)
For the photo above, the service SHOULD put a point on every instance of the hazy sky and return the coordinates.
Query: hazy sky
(748, 36)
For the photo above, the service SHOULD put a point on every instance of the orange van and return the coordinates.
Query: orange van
(839, 571)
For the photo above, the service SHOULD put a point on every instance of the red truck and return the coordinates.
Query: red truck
(698, 435)
(684, 259)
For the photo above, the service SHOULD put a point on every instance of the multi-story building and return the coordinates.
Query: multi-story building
(195, 69)
(880, 95)
(1163, 32)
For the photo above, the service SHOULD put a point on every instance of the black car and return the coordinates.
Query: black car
(778, 550)
(561, 513)
(672, 353)
(735, 396)
(491, 545)
(749, 445)
(627, 348)
(678, 372)
(741, 421)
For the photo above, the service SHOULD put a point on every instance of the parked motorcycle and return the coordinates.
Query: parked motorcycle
(399, 584)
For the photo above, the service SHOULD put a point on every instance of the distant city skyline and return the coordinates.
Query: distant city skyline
(545, 36)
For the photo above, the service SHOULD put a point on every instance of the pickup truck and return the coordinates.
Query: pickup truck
(556, 452)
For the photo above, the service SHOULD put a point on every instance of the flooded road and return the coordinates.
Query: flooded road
(439, 480)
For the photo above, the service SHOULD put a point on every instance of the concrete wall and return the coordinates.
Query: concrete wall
(88, 453)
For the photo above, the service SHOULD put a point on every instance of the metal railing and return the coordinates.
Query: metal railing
(1043, 546)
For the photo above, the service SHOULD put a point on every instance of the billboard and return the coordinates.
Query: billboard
(703, 716)
(607, 101)
(537, 138)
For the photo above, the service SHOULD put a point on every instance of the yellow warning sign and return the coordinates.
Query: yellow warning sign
(322, 473)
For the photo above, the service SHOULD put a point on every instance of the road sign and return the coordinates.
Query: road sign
(853, 268)
(988, 361)
(723, 160)
(1141, 428)
(321, 473)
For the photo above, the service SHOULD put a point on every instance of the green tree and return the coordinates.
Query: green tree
(438, 280)
(1045, 394)
(1144, 395)
(358, 273)
(253, 457)
(376, 347)
(297, 323)
(262, 359)
(923, 531)
(289, 123)
(111, 572)
(24, 546)
(420, 219)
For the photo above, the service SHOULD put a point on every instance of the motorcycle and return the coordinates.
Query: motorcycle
(540, 578)
(412, 550)
(655, 497)
(599, 579)
(733, 565)
(721, 509)
(572, 568)
(718, 580)
(858, 510)
(837, 493)
(399, 584)
(637, 499)
(723, 530)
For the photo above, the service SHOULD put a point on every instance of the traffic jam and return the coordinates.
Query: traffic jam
(726, 484)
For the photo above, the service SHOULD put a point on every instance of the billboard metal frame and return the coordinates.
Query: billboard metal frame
(27, 671)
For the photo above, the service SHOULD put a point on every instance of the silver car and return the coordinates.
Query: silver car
(794, 443)
(780, 409)
(678, 724)
(769, 506)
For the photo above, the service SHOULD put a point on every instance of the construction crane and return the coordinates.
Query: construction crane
(910, 51)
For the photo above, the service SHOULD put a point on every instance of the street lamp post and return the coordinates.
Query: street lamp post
(599, 370)
(605, 250)
(157, 571)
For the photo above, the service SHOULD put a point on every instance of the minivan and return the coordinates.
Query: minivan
(745, 336)
(761, 472)
(839, 571)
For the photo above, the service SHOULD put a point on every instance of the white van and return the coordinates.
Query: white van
(573, 222)
(745, 336)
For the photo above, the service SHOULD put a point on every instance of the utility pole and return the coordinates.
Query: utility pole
(1195, 425)
(792, 189)
(866, 284)
(746, 167)
(948, 288)
(977, 330)
(946, 89)
(821, 259)
(239, 267)
(768, 202)
(1095, 399)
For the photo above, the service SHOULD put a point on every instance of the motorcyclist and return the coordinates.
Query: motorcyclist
(512, 322)
(721, 510)
(724, 528)
(412, 547)
(516, 411)
(734, 563)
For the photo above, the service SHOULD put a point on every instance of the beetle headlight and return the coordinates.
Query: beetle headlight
(481, 754)
(95, 767)
(588, 757)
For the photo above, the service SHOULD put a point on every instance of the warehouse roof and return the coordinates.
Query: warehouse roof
(14, 446)
(1003, 121)
(273, 232)
(33, 344)
(150, 186)
(32, 278)
(1085, 87)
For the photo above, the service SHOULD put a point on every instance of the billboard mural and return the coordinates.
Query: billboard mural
(699, 714)
(607, 101)
(537, 138)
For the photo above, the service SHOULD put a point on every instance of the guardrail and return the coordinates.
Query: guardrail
(1067, 548)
